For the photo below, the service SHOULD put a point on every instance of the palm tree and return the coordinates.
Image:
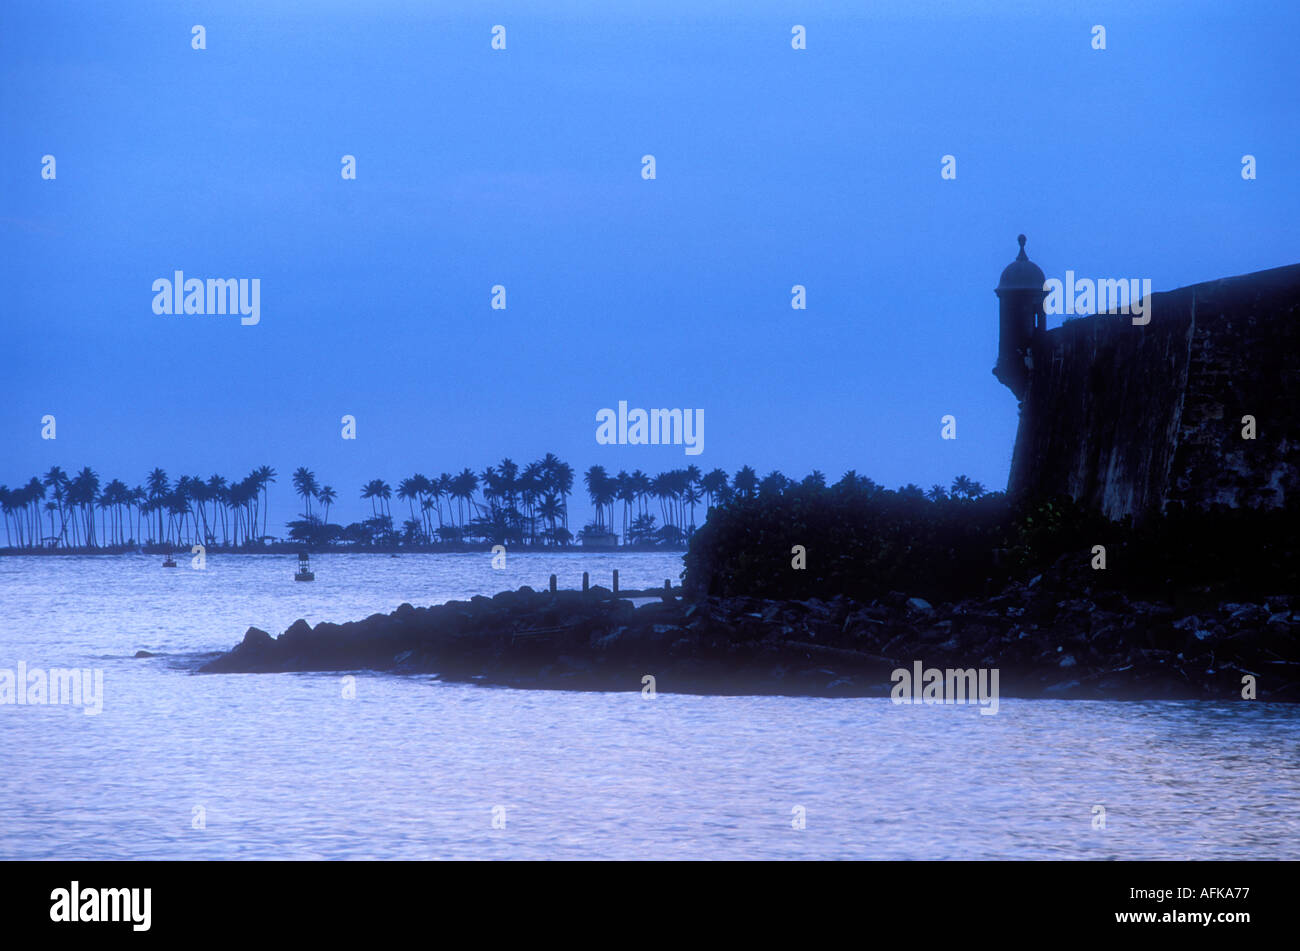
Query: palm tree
(853, 484)
(745, 482)
(692, 497)
(679, 481)
(82, 493)
(158, 490)
(693, 478)
(509, 475)
(181, 493)
(57, 480)
(462, 490)
(35, 496)
(200, 493)
(713, 484)
(641, 488)
(443, 491)
(136, 502)
(661, 488)
(642, 529)
(326, 496)
(774, 483)
(178, 505)
(549, 509)
(531, 484)
(406, 490)
(240, 496)
(304, 483)
(265, 477)
(106, 524)
(377, 490)
(7, 504)
(491, 488)
(600, 488)
(370, 492)
(564, 484)
(218, 492)
(113, 497)
(423, 487)
(625, 492)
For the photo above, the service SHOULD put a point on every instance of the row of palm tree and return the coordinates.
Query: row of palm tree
(502, 503)
(157, 512)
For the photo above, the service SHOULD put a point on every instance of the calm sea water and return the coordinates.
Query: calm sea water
(283, 766)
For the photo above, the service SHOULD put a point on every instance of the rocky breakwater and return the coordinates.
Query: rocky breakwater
(1049, 637)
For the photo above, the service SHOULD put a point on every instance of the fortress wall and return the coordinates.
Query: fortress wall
(1129, 419)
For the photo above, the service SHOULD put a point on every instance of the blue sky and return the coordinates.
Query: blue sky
(478, 167)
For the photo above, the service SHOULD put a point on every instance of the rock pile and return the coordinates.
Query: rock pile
(1049, 637)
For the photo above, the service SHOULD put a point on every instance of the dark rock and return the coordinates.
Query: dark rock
(746, 645)
(1065, 688)
(1248, 615)
(1279, 623)
(300, 629)
(256, 637)
(613, 638)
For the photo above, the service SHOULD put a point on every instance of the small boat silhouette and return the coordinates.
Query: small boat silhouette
(170, 562)
(304, 572)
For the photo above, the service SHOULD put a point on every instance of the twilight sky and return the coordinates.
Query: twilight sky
(522, 167)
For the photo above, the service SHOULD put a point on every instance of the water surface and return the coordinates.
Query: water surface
(284, 766)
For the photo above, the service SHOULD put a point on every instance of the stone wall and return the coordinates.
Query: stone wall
(1131, 419)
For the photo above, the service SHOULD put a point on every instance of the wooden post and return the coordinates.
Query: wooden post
(616, 581)
(586, 581)
(552, 584)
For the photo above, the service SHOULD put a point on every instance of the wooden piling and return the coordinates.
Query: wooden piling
(553, 581)
(616, 581)
(586, 581)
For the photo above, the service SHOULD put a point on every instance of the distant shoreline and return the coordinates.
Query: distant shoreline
(290, 548)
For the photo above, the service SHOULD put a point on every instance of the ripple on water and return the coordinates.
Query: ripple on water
(283, 767)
